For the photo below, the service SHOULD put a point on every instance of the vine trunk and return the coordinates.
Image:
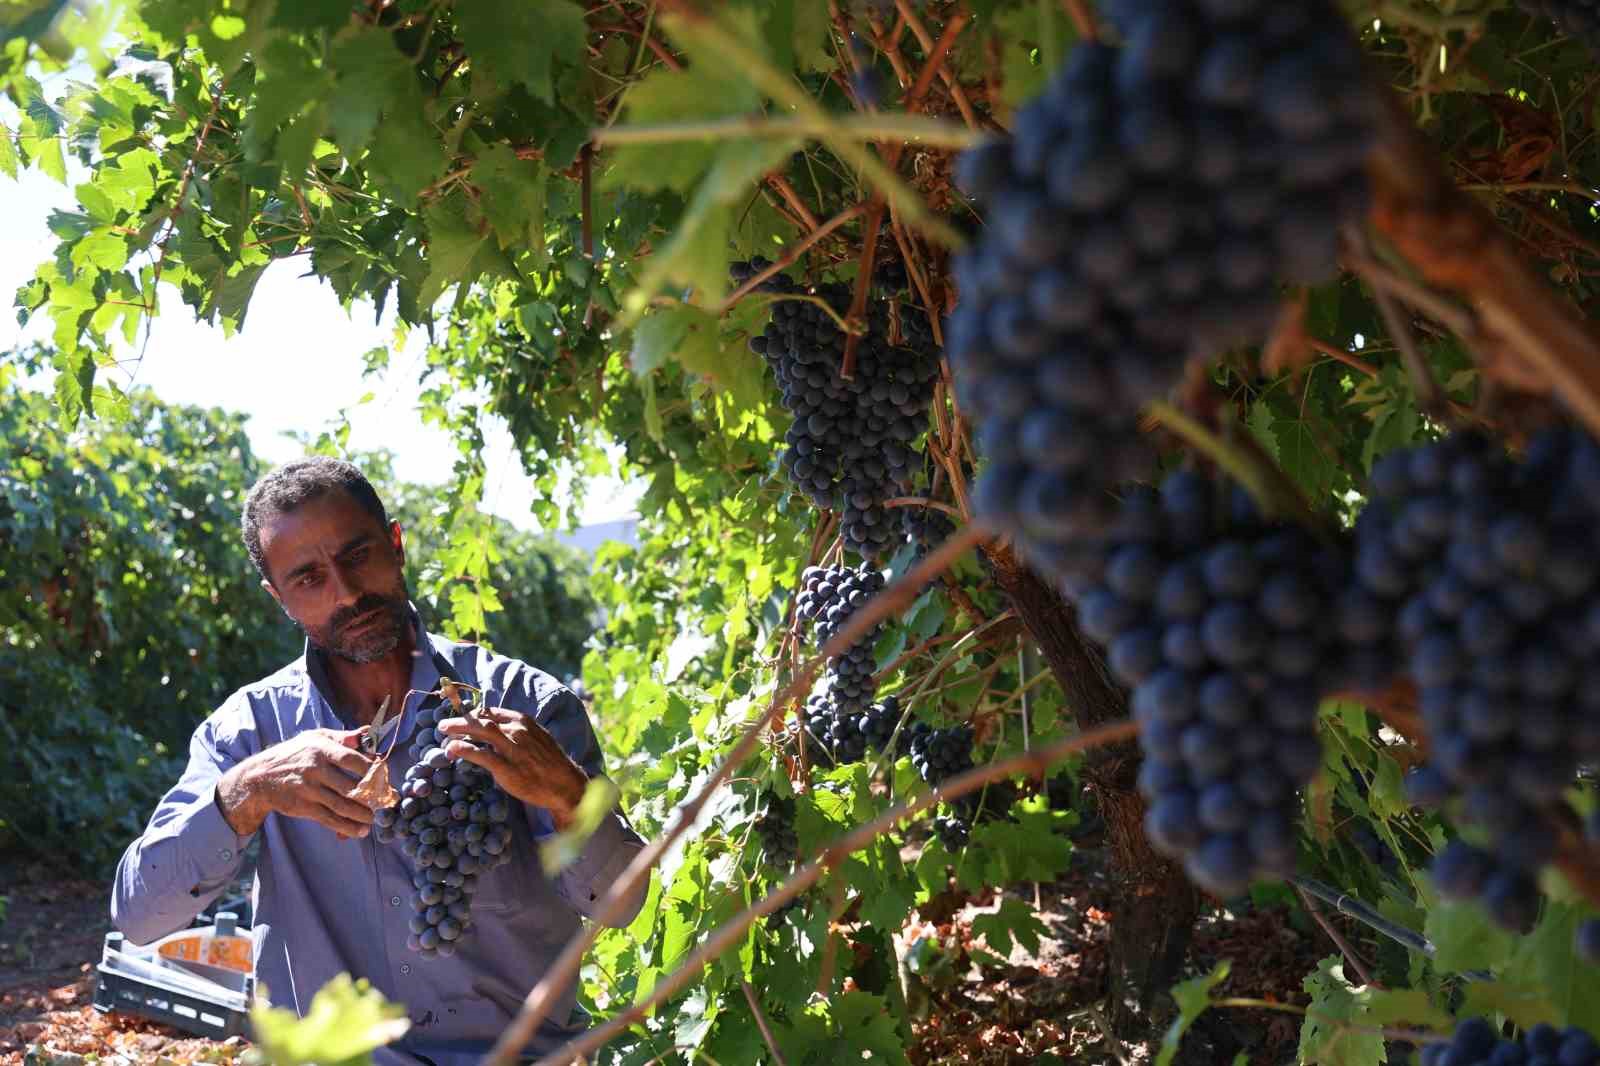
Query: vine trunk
(1155, 906)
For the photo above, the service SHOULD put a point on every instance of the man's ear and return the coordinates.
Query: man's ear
(397, 540)
(272, 591)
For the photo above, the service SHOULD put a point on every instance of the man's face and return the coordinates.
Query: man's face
(338, 574)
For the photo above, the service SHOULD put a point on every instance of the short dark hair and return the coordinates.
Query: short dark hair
(297, 482)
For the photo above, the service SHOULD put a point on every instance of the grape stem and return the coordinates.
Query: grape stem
(729, 934)
(889, 601)
(762, 1024)
(1430, 398)
(920, 30)
(1081, 19)
(897, 129)
(790, 257)
(1413, 1036)
(922, 501)
(1535, 340)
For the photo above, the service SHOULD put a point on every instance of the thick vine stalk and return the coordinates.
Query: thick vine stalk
(893, 599)
(1034, 762)
(1530, 337)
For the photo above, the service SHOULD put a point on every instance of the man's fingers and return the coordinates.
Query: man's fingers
(471, 727)
(495, 763)
(342, 806)
(349, 760)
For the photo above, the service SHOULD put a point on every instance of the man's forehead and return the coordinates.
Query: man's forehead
(322, 523)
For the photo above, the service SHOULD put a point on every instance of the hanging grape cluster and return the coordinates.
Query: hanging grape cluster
(940, 754)
(829, 595)
(1140, 215)
(775, 827)
(1495, 568)
(846, 735)
(1212, 617)
(1477, 1043)
(850, 446)
(452, 821)
(1578, 19)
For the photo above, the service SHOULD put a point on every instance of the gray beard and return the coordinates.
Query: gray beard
(367, 647)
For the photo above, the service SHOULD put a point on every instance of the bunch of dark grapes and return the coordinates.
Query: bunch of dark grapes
(1213, 617)
(1578, 19)
(829, 595)
(1477, 1043)
(1401, 539)
(926, 527)
(1498, 567)
(850, 446)
(451, 820)
(1141, 214)
(877, 724)
(940, 754)
(775, 827)
(952, 830)
(836, 729)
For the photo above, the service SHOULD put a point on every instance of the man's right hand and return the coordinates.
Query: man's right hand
(306, 776)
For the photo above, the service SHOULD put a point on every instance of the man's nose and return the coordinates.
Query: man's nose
(345, 589)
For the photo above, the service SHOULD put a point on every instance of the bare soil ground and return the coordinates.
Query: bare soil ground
(1035, 1008)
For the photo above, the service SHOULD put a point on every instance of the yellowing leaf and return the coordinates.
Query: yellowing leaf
(560, 850)
(348, 1020)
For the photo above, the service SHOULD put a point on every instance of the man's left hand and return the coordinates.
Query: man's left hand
(524, 758)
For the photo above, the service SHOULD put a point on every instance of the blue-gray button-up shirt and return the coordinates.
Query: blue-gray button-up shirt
(325, 906)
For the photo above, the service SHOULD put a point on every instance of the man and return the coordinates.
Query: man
(275, 761)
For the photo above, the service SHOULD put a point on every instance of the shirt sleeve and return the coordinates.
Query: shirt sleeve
(612, 847)
(187, 854)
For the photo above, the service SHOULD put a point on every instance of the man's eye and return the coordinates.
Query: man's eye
(358, 556)
(309, 580)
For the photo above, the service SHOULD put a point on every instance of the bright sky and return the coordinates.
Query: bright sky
(294, 365)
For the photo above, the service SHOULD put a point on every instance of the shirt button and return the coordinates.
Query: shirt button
(394, 901)
(405, 967)
(224, 854)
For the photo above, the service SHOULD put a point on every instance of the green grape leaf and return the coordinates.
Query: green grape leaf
(10, 160)
(1013, 922)
(1548, 957)
(453, 244)
(309, 16)
(1193, 997)
(1463, 937)
(406, 155)
(1524, 1004)
(811, 28)
(521, 40)
(371, 73)
(1339, 1029)
(511, 196)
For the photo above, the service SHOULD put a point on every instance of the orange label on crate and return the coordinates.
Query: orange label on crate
(229, 953)
(185, 950)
